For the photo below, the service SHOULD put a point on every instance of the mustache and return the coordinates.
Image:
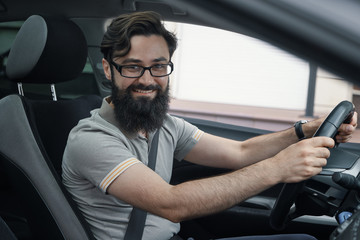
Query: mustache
(143, 87)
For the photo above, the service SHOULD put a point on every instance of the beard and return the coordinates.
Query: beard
(141, 113)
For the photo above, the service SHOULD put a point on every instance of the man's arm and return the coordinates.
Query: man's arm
(215, 151)
(143, 188)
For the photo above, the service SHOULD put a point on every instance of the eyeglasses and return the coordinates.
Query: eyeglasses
(136, 71)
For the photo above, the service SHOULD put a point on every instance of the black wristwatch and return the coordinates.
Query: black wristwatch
(298, 129)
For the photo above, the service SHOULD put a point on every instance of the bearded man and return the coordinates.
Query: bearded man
(106, 157)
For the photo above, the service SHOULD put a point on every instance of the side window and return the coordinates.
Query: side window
(218, 66)
(83, 85)
(233, 78)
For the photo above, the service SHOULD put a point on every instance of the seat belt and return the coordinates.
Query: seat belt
(136, 224)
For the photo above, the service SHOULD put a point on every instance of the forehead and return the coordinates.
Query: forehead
(147, 48)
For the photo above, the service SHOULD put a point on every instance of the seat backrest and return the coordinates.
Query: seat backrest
(5, 231)
(47, 51)
(34, 132)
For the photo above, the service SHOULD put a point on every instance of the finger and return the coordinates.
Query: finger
(323, 162)
(322, 153)
(321, 141)
(354, 119)
(343, 139)
(318, 170)
(346, 129)
(349, 127)
(313, 171)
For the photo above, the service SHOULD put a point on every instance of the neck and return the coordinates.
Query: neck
(143, 133)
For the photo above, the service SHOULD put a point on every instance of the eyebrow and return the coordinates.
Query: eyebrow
(133, 60)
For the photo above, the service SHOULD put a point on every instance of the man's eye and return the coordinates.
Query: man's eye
(133, 68)
(158, 66)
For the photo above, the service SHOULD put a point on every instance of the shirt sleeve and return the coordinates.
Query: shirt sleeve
(187, 136)
(114, 173)
(99, 157)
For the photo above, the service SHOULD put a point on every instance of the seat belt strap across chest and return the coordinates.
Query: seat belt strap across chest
(137, 220)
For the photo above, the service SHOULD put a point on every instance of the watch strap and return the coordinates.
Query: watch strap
(298, 129)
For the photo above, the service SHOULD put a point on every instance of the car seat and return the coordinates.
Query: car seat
(5, 231)
(33, 133)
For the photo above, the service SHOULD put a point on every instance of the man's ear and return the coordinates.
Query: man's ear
(106, 67)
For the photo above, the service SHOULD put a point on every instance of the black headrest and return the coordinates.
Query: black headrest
(47, 51)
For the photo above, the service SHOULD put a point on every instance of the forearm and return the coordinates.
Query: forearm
(206, 196)
(265, 146)
(268, 145)
(192, 199)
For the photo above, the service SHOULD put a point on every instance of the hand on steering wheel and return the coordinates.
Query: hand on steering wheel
(280, 214)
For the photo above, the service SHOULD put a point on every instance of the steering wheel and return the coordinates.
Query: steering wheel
(280, 214)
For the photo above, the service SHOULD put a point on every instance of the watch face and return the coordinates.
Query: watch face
(303, 121)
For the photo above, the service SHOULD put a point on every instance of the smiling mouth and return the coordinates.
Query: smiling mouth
(140, 90)
(143, 91)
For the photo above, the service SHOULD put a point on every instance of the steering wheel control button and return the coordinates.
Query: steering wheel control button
(298, 129)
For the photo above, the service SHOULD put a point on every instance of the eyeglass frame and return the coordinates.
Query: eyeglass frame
(119, 67)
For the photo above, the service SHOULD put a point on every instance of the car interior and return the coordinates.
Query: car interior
(49, 52)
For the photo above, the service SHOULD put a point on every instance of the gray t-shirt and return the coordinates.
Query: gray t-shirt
(97, 152)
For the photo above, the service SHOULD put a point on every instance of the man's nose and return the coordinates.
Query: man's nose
(146, 78)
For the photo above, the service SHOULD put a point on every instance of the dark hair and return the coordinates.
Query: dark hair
(118, 34)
